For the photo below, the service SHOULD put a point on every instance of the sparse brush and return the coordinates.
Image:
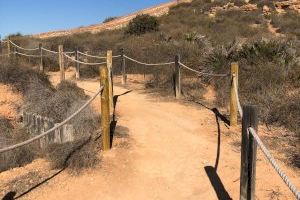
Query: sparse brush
(288, 23)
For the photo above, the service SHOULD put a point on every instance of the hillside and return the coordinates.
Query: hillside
(167, 142)
(120, 22)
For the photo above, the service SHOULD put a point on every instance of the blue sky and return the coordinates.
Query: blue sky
(36, 16)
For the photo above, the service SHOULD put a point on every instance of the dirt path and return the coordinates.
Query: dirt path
(164, 150)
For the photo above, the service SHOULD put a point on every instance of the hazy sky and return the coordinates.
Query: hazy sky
(35, 16)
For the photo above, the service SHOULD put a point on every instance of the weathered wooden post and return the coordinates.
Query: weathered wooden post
(110, 80)
(77, 64)
(177, 77)
(105, 108)
(0, 45)
(15, 55)
(61, 62)
(8, 47)
(41, 57)
(124, 76)
(248, 153)
(233, 95)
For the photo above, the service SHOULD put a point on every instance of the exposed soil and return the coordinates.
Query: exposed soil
(162, 149)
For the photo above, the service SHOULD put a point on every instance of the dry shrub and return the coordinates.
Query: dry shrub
(56, 103)
(288, 23)
(17, 157)
(74, 155)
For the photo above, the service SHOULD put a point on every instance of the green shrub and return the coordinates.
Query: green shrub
(142, 24)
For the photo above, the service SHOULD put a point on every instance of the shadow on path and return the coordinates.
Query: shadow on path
(113, 122)
(216, 182)
(11, 195)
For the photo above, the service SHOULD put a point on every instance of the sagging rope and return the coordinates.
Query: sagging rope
(54, 128)
(27, 55)
(84, 63)
(22, 47)
(202, 73)
(149, 64)
(92, 56)
(50, 51)
(69, 52)
(237, 95)
(270, 158)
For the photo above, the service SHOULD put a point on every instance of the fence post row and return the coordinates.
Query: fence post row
(177, 77)
(61, 62)
(110, 80)
(105, 108)
(248, 153)
(41, 59)
(77, 64)
(233, 95)
(123, 67)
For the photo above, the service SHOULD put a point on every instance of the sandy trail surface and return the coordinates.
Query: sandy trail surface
(166, 149)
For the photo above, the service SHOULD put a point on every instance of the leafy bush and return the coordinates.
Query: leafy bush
(142, 24)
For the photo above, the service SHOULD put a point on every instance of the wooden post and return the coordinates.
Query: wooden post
(124, 76)
(233, 95)
(110, 80)
(41, 58)
(15, 55)
(248, 153)
(8, 47)
(105, 108)
(177, 77)
(61, 62)
(0, 45)
(77, 64)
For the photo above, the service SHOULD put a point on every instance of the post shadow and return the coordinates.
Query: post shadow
(11, 194)
(217, 184)
(113, 122)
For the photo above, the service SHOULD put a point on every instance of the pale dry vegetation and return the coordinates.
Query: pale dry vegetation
(269, 66)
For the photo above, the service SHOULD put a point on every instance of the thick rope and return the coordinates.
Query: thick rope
(202, 73)
(22, 47)
(50, 51)
(270, 158)
(27, 55)
(148, 64)
(54, 128)
(84, 63)
(117, 56)
(69, 52)
(92, 56)
(237, 95)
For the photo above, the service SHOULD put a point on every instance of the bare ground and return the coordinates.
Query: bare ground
(162, 149)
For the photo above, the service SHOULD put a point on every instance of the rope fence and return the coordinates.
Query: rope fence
(203, 73)
(54, 128)
(270, 158)
(50, 51)
(91, 56)
(248, 114)
(25, 49)
(84, 63)
(148, 64)
(27, 55)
